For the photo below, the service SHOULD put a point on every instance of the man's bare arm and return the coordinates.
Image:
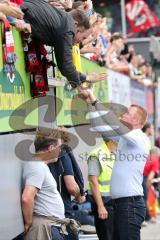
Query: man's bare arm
(102, 212)
(28, 196)
(73, 188)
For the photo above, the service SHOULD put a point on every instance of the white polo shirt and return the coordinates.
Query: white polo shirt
(131, 155)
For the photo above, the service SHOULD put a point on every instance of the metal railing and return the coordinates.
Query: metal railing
(88, 237)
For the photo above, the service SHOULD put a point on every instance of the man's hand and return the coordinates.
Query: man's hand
(96, 77)
(102, 212)
(86, 94)
(67, 4)
(27, 28)
(83, 92)
(28, 196)
(88, 4)
(80, 199)
(11, 9)
(21, 26)
(26, 227)
(57, 5)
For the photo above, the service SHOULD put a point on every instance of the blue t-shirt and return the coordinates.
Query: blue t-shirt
(63, 168)
(67, 170)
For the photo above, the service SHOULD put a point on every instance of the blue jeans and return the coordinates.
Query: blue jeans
(56, 235)
(129, 213)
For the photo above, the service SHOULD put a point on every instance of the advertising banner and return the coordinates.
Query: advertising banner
(70, 109)
(138, 94)
(150, 103)
(119, 88)
(13, 95)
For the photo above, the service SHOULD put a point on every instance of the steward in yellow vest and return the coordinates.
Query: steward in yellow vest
(100, 164)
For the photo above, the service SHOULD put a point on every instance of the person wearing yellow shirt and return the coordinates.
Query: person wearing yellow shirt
(100, 164)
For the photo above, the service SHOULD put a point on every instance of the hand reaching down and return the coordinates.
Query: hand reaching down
(96, 77)
(102, 213)
(23, 27)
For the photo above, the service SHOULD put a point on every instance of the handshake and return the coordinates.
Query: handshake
(87, 95)
(85, 92)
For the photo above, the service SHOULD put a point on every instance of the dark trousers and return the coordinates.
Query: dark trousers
(19, 237)
(71, 235)
(129, 213)
(104, 228)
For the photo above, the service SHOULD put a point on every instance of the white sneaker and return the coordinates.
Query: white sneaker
(144, 224)
(153, 220)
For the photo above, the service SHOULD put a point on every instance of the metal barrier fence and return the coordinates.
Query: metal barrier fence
(88, 237)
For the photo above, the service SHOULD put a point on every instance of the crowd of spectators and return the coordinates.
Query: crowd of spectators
(113, 51)
(61, 24)
(97, 43)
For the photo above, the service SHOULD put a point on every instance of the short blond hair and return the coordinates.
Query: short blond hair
(142, 114)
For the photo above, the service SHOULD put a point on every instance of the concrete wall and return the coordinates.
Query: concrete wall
(11, 221)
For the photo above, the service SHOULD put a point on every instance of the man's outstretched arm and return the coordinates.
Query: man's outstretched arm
(63, 54)
(103, 118)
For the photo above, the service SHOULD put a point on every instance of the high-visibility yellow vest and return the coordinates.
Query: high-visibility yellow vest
(77, 57)
(106, 160)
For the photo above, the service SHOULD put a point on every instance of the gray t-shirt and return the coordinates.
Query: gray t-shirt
(48, 201)
(94, 167)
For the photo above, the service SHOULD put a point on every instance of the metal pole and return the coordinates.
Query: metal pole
(123, 16)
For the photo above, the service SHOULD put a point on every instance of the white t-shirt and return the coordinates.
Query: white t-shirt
(48, 201)
(131, 156)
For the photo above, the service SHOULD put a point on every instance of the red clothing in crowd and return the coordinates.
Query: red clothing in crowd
(152, 164)
(17, 1)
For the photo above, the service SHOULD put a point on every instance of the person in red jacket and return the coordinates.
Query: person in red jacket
(151, 170)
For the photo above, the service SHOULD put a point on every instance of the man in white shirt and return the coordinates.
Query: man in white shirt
(127, 174)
